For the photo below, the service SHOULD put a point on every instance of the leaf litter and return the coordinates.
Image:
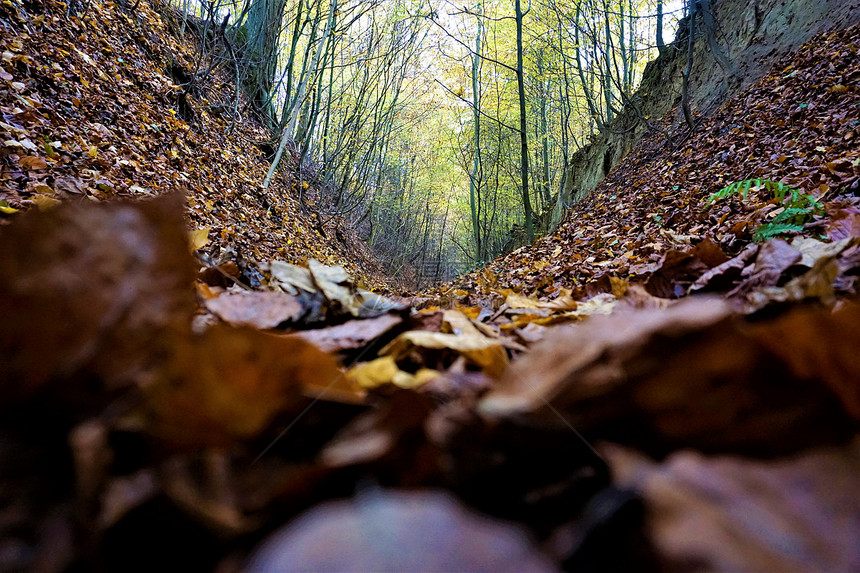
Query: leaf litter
(565, 402)
(407, 397)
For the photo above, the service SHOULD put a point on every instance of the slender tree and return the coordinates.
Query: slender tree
(524, 144)
(475, 175)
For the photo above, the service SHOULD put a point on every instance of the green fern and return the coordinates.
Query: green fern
(795, 215)
(771, 230)
(740, 187)
(779, 189)
(799, 208)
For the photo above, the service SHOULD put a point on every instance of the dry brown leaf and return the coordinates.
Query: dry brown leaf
(228, 384)
(722, 276)
(737, 514)
(110, 322)
(258, 309)
(843, 223)
(687, 375)
(32, 163)
(350, 335)
(819, 345)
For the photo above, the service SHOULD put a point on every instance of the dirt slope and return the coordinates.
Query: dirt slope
(799, 125)
(752, 37)
(101, 101)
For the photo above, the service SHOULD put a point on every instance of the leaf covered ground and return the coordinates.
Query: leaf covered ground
(568, 407)
(103, 101)
(799, 125)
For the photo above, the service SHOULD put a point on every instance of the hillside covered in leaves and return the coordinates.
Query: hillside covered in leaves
(798, 126)
(108, 101)
(205, 379)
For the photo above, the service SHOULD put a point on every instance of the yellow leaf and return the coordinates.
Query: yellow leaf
(515, 300)
(198, 238)
(374, 373)
(93, 151)
(229, 384)
(458, 323)
(43, 202)
(487, 353)
(406, 380)
(5, 208)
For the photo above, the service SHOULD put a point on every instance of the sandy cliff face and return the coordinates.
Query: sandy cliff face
(752, 34)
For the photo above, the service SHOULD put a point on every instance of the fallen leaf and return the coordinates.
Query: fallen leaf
(292, 278)
(684, 376)
(43, 202)
(487, 353)
(32, 163)
(350, 335)
(198, 238)
(117, 318)
(418, 524)
(738, 514)
(258, 309)
(6, 209)
(228, 384)
(375, 373)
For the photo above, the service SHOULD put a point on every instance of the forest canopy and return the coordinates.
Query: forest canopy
(440, 130)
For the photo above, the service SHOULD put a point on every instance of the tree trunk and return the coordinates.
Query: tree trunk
(544, 131)
(261, 52)
(580, 69)
(474, 181)
(685, 84)
(287, 132)
(524, 145)
(607, 54)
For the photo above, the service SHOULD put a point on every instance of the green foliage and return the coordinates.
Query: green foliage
(771, 230)
(799, 208)
(779, 189)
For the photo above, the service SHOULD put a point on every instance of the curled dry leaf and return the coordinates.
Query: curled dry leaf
(737, 514)
(228, 384)
(722, 276)
(688, 375)
(487, 353)
(256, 309)
(333, 282)
(109, 322)
(350, 335)
(418, 530)
(292, 278)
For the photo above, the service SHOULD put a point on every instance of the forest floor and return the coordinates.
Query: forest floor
(572, 390)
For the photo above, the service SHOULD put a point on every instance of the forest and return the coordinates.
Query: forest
(439, 132)
(428, 285)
